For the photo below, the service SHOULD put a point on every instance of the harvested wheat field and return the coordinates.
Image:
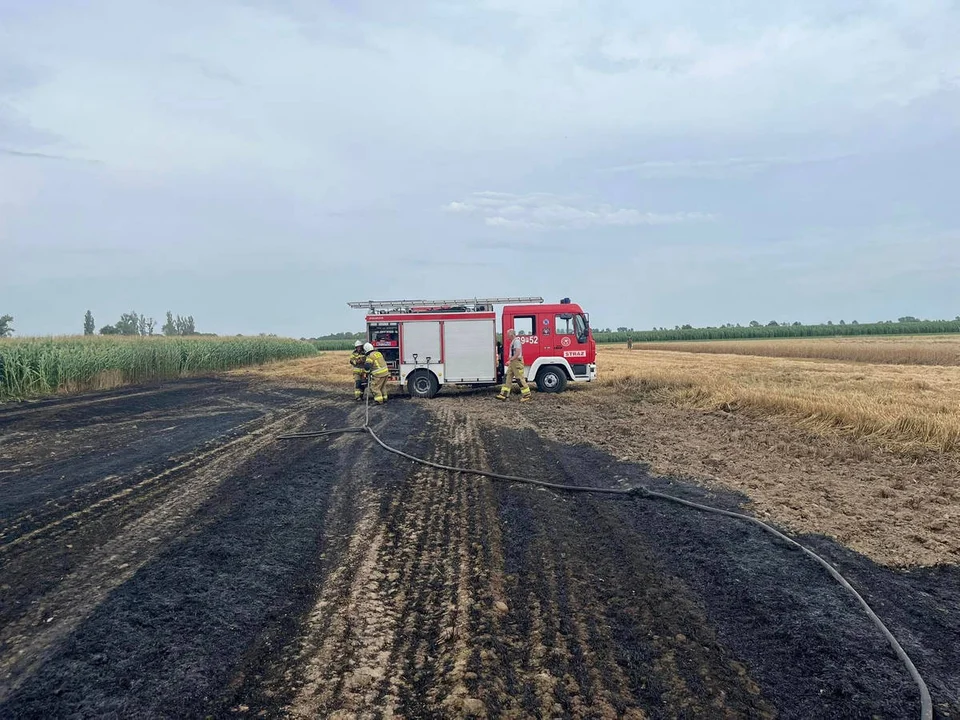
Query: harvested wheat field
(897, 350)
(163, 554)
(908, 408)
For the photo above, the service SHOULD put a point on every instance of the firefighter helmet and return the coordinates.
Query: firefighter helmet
(358, 343)
(367, 347)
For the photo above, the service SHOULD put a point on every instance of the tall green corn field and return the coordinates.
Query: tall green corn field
(42, 366)
(331, 345)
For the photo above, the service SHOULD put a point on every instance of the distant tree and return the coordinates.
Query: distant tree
(179, 325)
(854, 322)
(754, 323)
(797, 323)
(908, 319)
(169, 327)
(829, 322)
(88, 324)
(686, 327)
(128, 324)
(131, 324)
(6, 330)
(185, 326)
(773, 323)
(145, 325)
(842, 322)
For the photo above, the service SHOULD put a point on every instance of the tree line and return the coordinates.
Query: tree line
(336, 341)
(131, 323)
(135, 324)
(338, 336)
(906, 325)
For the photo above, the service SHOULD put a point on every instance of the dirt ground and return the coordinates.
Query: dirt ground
(162, 554)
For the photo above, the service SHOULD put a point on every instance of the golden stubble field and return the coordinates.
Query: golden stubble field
(896, 406)
(897, 350)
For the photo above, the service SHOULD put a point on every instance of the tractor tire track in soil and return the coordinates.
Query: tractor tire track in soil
(806, 642)
(221, 573)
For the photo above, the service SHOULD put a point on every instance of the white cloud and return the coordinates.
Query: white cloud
(544, 211)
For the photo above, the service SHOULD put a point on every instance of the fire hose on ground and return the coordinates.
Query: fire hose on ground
(640, 491)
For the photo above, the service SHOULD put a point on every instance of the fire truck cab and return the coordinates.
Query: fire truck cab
(431, 343)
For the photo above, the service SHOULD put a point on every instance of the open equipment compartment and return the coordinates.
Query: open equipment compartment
(385, 337)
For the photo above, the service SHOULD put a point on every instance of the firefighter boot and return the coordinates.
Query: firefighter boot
(524, 394)
(504, 393)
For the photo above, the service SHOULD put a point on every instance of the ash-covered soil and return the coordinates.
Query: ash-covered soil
(163, 555)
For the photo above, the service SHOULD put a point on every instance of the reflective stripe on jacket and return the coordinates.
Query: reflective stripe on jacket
(357, 360)
(377, 364)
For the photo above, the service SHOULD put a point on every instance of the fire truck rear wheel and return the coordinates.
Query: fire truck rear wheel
(551, 379)
(423, 384)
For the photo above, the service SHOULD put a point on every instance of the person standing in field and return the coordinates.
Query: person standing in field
(376, 365)
(515, 370)
(357, 360)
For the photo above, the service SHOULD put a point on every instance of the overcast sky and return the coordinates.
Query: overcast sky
(260, 163)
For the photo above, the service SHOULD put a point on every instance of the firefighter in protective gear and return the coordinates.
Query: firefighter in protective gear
(357, 359)
(515, 370)
(376, 365)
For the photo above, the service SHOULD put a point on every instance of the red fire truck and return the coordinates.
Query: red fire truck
(431, 343)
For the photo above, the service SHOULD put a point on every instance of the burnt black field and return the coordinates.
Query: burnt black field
(163, 555)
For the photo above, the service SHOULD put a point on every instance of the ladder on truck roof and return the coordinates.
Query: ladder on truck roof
(426, 305)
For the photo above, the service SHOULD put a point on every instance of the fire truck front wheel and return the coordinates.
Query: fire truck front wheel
(423, 384)
(551, 379)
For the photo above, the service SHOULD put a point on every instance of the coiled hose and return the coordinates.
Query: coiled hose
(926, 705)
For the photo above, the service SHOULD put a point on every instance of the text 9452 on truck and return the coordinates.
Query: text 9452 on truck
(431, 343)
